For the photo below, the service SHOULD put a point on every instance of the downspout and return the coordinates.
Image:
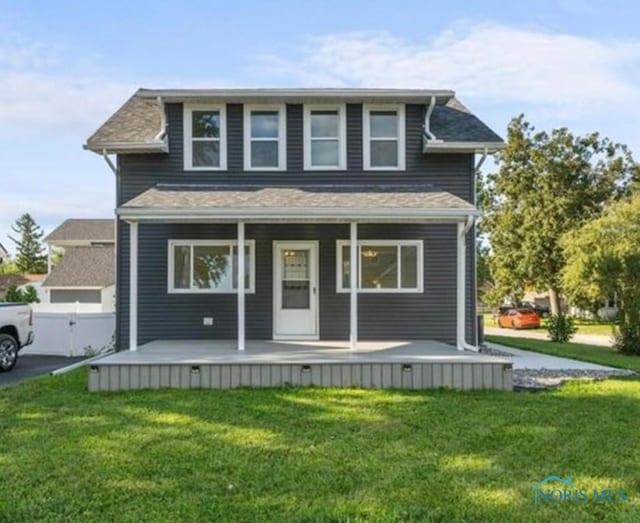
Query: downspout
(111, 165)
(163, 122)
(485, 152)
(427, 121)
(461, 302)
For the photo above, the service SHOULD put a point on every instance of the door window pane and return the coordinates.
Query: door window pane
(296, 264)
(384, 153)
(409, 261)
(181, 266)
(295, 294)
(379, 267)
(212, 267)
(205, 124)
(324, 124)
(264, 154)
(383, 124)
(325, 153)
(264, 124)
(206, 153)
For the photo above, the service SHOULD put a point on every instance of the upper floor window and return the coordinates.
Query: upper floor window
(205, 137)
(383, 140)
(264, 138)
(325, 144)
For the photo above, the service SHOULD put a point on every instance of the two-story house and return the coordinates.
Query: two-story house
(353, 209)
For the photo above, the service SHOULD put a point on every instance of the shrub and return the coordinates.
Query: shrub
(561, 328)
(627, 339)
(28, 295)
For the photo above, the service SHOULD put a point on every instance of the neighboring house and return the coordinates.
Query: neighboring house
(83, 280)
(4, 254)
(606, 312)
(308, 184)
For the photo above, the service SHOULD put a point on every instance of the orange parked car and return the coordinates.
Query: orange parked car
(518, 318)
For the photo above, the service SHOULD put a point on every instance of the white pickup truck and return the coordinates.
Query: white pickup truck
(16, 331)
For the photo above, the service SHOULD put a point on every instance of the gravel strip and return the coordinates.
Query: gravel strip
(527, 379)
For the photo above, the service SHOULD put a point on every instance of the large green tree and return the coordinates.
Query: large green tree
(603, 258)
(29, 249)
(547, 184)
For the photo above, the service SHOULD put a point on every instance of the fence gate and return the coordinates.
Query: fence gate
(70, 334)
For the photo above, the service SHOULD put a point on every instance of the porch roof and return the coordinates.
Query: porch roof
(302, 202)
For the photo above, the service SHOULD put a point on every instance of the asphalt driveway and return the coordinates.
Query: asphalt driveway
(29, 366)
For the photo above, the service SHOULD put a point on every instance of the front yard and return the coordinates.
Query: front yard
(313, 455)
(578, 351)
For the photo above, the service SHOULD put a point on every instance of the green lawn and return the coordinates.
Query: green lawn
(578, 351)
(312, 454)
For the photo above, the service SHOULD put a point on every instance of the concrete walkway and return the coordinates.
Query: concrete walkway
(524, 359)
(588, 339)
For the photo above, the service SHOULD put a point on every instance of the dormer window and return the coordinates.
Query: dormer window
(264, 138)
(205, 137)
(383, 137)
(325, 144)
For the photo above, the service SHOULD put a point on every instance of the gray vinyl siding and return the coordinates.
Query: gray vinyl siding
(429, 316)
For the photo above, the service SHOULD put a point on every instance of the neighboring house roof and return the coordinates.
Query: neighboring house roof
(84, 267)
(75, 229)
(139, 126)
(305, 201)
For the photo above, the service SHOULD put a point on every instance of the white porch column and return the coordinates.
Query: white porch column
(460, 287)
(133, 285)
(353, 286)
(241, 286)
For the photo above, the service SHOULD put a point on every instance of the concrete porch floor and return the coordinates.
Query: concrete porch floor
(190, 352)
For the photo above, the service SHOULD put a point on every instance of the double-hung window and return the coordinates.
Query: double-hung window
(383, 266)
(325, 144)
(209, 266)
(383, 137)
(205, 137)
(264, 138)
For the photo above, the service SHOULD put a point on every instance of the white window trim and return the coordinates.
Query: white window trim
(188, 138)
(282, 136)
(342, 137)
(397, 243)
(193, 243)
(366, 136)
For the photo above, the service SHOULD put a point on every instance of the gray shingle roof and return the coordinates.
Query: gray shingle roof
(84, 267)
(79, 229)
(453, 122)
(369, 197)
(137, 123)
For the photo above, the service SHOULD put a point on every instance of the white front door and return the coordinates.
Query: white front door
(295, 290)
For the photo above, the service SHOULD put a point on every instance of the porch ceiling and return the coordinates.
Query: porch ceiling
(329, 202)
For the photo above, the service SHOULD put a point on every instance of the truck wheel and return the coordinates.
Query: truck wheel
(8, 352)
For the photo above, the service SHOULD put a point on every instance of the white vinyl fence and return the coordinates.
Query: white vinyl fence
(70, 334)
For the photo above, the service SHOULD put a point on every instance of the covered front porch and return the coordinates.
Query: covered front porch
(217, 364)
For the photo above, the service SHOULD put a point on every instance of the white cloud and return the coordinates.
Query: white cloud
(488, 62)
(46, 88)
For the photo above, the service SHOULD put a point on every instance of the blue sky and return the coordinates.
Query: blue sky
(65, 66)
